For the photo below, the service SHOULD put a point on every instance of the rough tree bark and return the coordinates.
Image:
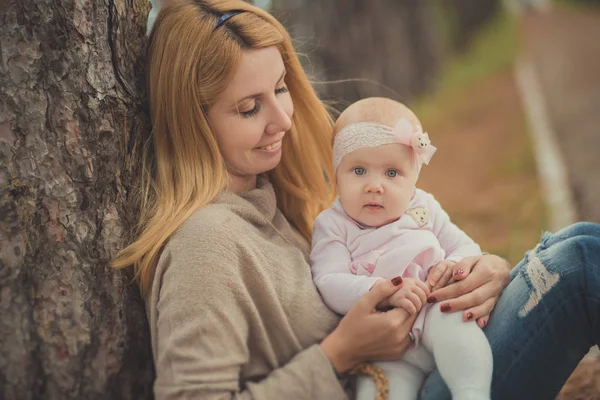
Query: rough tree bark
(71, 93)
(390, 46)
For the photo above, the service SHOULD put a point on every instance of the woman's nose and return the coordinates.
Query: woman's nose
(280, 120)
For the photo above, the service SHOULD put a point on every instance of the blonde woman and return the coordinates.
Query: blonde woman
(238, 168)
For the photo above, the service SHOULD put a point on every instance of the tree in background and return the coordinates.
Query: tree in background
(467, 17)
(390, 46)
(71, 94)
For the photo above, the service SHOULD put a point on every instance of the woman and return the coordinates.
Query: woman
(237, 171)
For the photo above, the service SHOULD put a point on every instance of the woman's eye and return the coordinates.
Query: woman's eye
(391, 173)
(251, 113)
(359, 171)
(282, 89)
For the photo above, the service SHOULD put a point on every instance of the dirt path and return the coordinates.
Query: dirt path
(484, 171)
(564, 47)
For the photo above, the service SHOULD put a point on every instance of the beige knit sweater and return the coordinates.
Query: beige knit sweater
(233, 310)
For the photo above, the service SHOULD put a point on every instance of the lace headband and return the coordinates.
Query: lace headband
(372, 134)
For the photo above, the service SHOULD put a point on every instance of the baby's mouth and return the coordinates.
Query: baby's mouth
(373, 206)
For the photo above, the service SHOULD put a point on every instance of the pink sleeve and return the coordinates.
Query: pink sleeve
(330, 263)
(453, 240)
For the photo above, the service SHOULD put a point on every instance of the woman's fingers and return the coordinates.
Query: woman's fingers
(463, 268)
(481, 322)
(470, 300)
(380, 291)
(456, 289)
(482, 310)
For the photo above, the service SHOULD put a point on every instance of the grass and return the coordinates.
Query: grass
(492, 50)
(577, 4)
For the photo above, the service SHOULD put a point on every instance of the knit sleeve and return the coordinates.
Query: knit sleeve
(202, 330)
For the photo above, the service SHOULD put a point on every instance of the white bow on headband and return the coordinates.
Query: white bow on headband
(371, 134)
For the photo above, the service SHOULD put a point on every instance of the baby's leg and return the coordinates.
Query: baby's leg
(462, 354)
(405, 380)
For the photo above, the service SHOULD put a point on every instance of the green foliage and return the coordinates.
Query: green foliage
(492, 50)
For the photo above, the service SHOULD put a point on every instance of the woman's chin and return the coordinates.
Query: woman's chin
(270, 164)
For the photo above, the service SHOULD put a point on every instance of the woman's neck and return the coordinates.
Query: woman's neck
(238, 184)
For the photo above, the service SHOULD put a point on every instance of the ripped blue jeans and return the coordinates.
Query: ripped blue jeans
(546, 320)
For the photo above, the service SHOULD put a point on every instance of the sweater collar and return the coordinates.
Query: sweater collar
(257, 205)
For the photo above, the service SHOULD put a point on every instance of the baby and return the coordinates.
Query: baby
(382, 226)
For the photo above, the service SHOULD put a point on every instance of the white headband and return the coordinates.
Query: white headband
(372, 134)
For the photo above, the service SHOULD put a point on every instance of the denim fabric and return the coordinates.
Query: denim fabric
(546, 320)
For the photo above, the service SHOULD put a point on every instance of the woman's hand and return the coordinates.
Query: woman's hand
(412, 296)
(366, 334)
(479, 281)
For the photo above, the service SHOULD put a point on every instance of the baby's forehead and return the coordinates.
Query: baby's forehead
(376, 110)
(390, 154)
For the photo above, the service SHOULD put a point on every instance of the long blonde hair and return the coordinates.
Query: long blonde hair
(189, 64)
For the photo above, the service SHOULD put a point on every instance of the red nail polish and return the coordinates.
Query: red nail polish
(397, 281)
(431, 300)
(484, 322)
(469, 316)
(445, 307)
(459, 272)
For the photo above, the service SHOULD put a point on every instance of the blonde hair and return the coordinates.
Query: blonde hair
(189, 64)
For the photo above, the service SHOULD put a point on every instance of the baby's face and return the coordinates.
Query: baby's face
(376, 184)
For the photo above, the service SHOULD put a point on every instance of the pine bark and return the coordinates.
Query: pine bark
(72, 116)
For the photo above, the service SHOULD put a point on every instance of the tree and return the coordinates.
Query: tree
(72, 115)
(390, 46)
(469, 17)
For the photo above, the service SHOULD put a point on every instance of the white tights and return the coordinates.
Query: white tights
(461, 352)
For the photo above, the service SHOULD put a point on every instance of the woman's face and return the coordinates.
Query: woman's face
(251, 117)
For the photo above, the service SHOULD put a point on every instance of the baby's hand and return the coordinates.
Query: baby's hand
(411, 297)
(440, 275)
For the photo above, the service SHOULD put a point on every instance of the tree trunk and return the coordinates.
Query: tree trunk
(71, 113)
(470, 16)
(389, 47)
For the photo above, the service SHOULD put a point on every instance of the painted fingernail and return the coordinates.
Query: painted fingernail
(445, 307)
(397, 281)
(483, 323)
(459, 272)
(469, 316)
(431, 300)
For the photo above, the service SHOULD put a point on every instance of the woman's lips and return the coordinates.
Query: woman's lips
(272, 147)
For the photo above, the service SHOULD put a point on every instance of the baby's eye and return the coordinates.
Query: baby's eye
(359, 171)
(391, 173)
